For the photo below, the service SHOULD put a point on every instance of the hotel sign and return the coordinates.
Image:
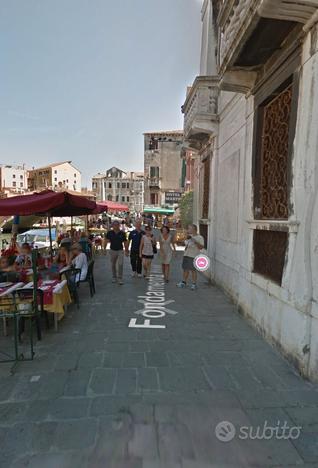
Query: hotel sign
(172, 197)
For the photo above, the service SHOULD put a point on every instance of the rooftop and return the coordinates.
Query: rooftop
(169, 132)
(127, 175)
(53, 165)
(13, 166)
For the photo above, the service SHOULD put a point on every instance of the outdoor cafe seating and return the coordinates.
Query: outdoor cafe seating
(31, 295)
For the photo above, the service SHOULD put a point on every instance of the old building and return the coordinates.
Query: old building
(251, 119)
(56, 176)
(13, 179)
(120, 186)
(189, 170)
(163, 168)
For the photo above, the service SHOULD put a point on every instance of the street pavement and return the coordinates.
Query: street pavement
(102, 395)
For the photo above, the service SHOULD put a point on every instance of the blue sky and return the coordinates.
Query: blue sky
(81, 80)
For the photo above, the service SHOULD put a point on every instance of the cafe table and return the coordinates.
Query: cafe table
(56, 297)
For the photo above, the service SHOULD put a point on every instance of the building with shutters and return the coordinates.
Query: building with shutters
(57, 176)
(163, 168)
(13, 179)
(120, 186)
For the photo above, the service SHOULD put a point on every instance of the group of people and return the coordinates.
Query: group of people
(69, 254)
(141, 246)
(15, 259)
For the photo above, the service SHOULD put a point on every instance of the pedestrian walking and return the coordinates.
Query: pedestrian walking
(165, 221)
(147, 250)
(118, 242)
(194, 244)
(167, 247)
(134, 240)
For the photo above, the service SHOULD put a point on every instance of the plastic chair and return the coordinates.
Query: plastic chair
(90, 278)
(72, 277)
(85, 247)
(27, 309)
(8, 311)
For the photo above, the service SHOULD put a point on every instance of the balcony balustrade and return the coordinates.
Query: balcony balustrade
(154, 182)
(200, 110)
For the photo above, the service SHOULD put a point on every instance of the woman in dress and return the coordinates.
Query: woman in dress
(146, 250)
(167, 247)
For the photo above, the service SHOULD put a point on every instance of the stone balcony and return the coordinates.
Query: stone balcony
(154, 182)
(251, 31)
(200, 111)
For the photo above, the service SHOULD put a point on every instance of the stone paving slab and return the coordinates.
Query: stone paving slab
(100, 394)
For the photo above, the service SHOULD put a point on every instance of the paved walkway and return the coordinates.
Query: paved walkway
(102, 395)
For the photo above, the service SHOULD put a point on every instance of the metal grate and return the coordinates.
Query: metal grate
(274, 157)
(270, 253)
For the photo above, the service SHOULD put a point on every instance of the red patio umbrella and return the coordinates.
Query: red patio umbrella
(110, 206)
(47, 203)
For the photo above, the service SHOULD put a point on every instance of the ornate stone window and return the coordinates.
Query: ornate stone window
(273, 149)
(271, 185)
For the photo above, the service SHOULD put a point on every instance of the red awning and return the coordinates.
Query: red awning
(47, 203)
(111, 206)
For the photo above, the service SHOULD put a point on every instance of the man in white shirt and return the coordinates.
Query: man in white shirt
(79, 260)
(194, 244)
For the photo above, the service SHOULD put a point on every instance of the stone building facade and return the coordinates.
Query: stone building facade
(13, 179)
(251, 118)
(163, 168)
(57, 176)
(120, 186)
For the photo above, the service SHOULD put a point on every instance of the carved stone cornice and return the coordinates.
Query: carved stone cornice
(238, 81)
(238, 19)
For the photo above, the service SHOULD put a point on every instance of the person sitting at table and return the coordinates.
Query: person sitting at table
(7, 271)
(40, 261)
(66, 241)
(62, 259)
(85, 244)
(4, 264)
(79, 260)
(24, 259)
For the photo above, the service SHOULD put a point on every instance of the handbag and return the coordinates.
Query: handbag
(154, 247)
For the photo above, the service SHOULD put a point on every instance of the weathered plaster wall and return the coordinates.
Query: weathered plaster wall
(287, 315)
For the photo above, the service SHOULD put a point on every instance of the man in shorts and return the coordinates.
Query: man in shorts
(194, 244)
